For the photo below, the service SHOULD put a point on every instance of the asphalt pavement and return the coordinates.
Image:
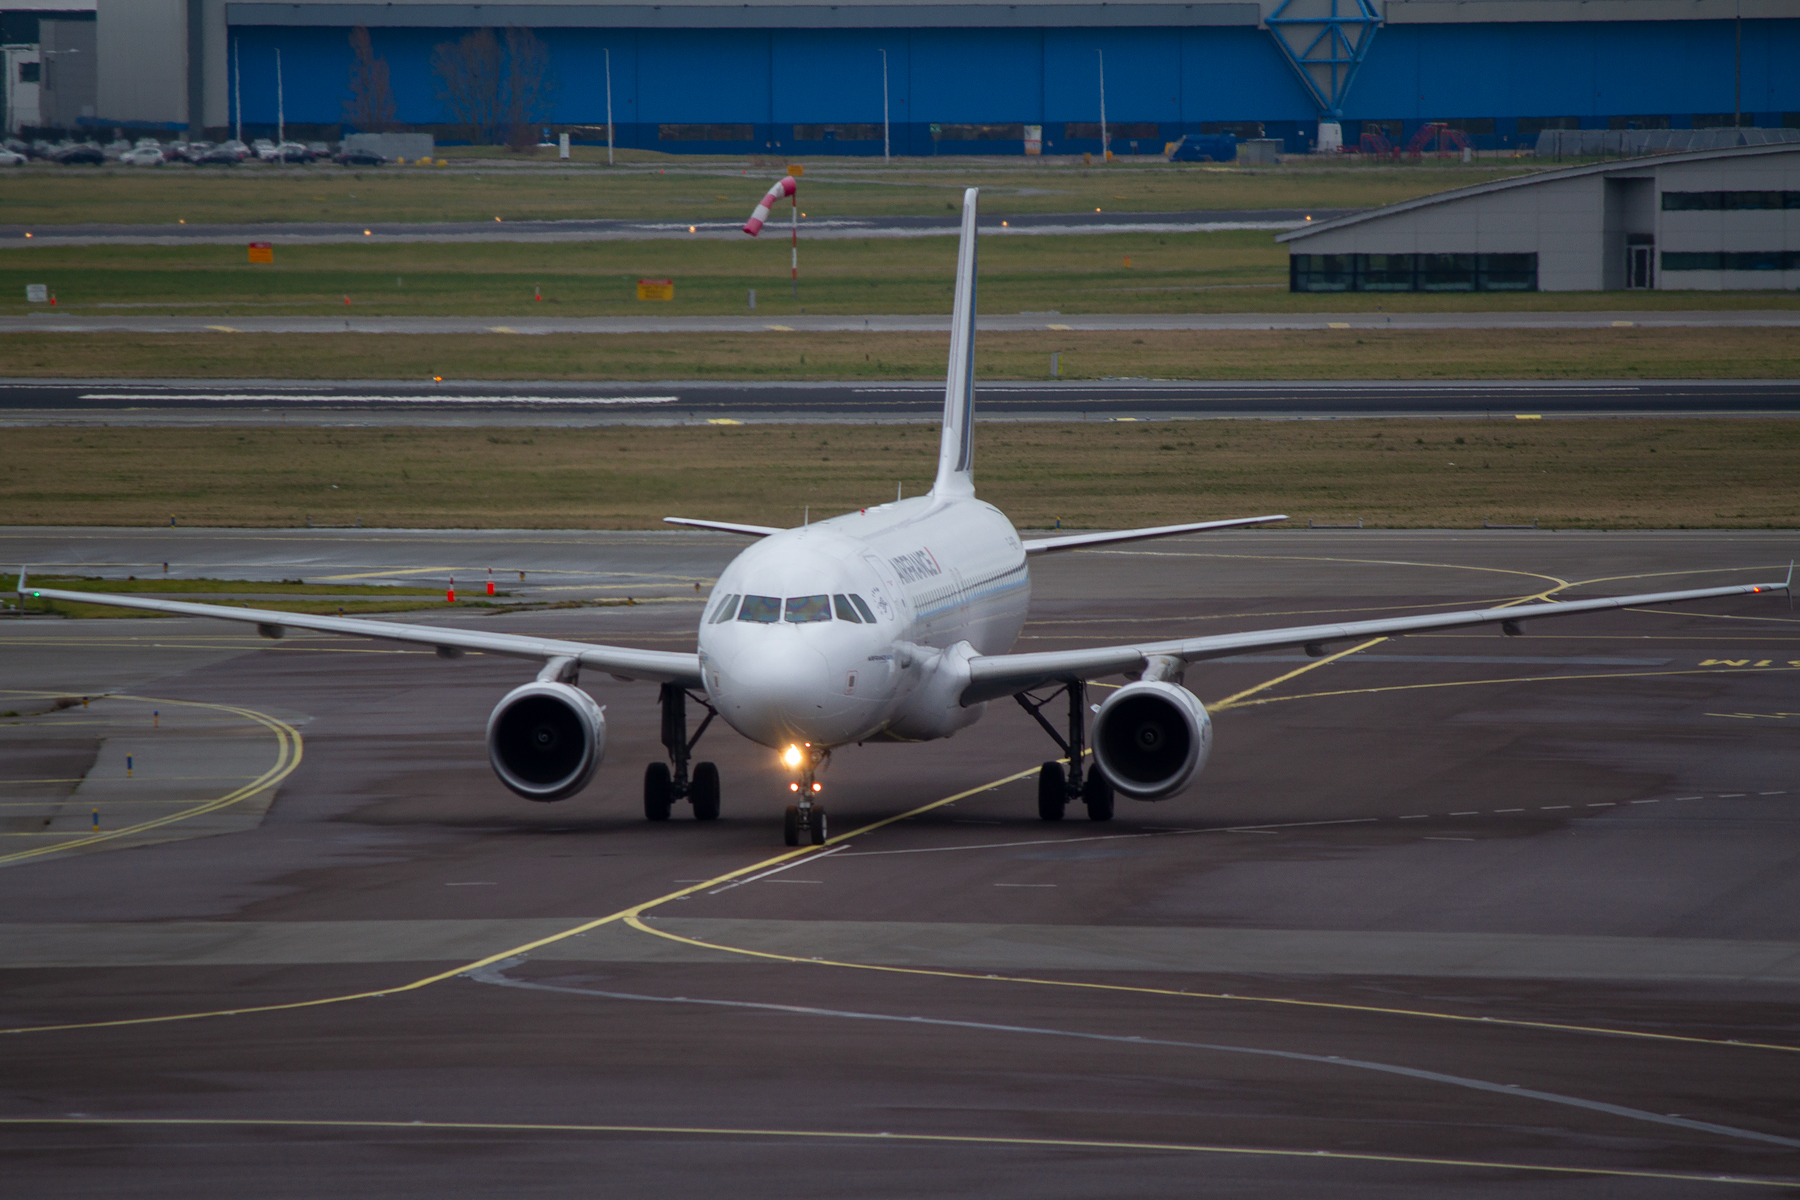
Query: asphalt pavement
(1468, 916)
(616, 230)
(132, 402)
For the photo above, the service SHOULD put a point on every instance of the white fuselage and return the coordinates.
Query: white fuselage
(943, 580)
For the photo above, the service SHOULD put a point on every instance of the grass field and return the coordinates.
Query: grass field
(1612, 474)
(1700, 353)
(1197, 272)
(46, 196)
(286, 596)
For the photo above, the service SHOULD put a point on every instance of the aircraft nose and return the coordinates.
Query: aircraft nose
(780, 692)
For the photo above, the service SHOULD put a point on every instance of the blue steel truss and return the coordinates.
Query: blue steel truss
(1327, 47)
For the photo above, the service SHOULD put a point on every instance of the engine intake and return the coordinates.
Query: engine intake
(1151, 738)
(546, 739)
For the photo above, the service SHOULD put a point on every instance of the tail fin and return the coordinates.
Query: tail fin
(956, 453)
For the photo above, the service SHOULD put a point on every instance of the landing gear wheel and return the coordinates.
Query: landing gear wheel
(1053, 792)
(818, 827)
(704, 792)
(1097, 794)
(790, 826)
(659, 792)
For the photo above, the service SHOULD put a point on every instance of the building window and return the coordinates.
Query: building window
(837, 133)
(1506, 272)
(1727, 201)
(704, 133)
(1730, 260)
(1242, 130)
(1091, 130)
(1536, 125)
(1649, 122)
(1322, 272)
(979, 133)
(1446, 273)
(29, 72)
(1413, 272)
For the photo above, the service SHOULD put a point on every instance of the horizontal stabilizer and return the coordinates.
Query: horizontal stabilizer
(724, 526)
(1076, 541)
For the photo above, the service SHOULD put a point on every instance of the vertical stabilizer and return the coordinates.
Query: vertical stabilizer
(956, 453)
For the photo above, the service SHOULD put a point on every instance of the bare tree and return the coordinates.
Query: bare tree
(494, 91)
(530, 90)
(469, 75)
(371, 104)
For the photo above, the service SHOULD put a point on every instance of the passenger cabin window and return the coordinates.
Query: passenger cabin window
(844, 611)
(801, 609)
(764, 610)
(862, 608)
(727, 609)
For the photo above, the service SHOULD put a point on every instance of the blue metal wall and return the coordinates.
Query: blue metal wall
(1176, 79)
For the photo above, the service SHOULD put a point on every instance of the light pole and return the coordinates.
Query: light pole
(280, 112)
(1737, 83)
(886, 145)
(1103, 139)
(609, 127)
(237, 89)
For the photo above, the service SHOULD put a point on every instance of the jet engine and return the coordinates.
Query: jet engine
(1151, 738)
(545, 740)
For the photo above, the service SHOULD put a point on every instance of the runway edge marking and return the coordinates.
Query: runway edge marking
(941, 1139)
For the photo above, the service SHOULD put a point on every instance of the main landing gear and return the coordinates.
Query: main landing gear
(804, 822)
(663, 786)
(1057, 788)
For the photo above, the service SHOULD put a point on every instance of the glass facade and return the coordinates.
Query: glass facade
(1727, 201)
(1412, 272)
(1731, 260)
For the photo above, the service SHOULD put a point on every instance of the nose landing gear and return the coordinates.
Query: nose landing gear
(663, 785)
(804, 822)
(1058, 788)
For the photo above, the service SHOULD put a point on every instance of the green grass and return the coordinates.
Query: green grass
(1620, 474)
(45, 196)
(1358, 353)
(1196, 272)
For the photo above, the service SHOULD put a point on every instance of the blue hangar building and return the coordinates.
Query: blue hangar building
(800, 77)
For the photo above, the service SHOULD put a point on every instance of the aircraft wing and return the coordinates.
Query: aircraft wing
(657, 666)
(1075, 541)
(724, 526)
(995, 675)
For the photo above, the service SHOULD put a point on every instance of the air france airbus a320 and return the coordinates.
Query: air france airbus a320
(892, 623)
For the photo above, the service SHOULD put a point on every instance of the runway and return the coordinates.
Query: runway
(295, 233)
(539, 403)
(1457, 914)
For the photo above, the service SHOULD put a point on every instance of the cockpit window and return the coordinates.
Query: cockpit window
(765, 610)
(862, 608)
(727, 609)
(844, 611)
(801, 609)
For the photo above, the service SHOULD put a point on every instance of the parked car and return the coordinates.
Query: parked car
(236, 147)
(264, 149)
(293, 152)
(358, 158)
(11, 158)
(218, 156)
(143, 156)
(80, 154)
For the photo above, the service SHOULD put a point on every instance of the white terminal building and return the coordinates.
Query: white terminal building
(1717, 219)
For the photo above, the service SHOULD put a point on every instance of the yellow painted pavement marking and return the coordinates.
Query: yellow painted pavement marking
(1407, 687)
(1232, 700)
(288, 752)
(937, 1139)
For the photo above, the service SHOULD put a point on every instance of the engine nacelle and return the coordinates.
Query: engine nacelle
(1151, 738)
(546, 739)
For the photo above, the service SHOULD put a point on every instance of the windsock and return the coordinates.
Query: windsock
(783, 187)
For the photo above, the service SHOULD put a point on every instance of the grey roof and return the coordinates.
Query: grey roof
(1534, 180)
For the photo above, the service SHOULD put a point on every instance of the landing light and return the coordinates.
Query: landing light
(792, 756)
